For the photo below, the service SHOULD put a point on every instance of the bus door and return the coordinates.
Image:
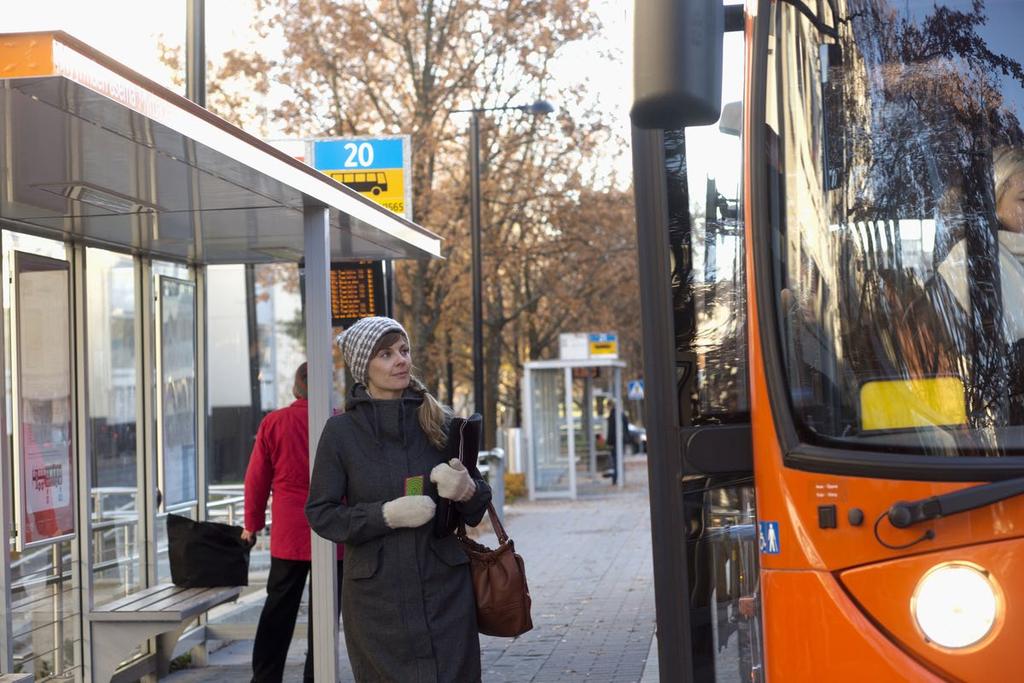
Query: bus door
(704, 445)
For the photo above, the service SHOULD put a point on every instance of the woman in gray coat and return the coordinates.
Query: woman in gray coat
(407, 598)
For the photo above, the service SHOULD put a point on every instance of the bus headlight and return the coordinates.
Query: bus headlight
(955, 604)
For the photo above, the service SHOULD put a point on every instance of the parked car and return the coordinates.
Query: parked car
(635, 438)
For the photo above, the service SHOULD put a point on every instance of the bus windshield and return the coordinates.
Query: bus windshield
(895, 199)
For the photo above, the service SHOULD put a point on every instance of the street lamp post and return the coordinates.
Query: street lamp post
(538, 108)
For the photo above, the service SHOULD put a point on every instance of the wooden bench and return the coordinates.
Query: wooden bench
(162, 612)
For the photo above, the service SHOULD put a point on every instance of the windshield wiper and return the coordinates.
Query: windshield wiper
(904, 514)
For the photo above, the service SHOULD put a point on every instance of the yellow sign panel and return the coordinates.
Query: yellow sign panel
(384, 186)
(604, 348)
(908, 403)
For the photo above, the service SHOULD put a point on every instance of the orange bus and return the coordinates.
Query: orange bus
(830, 209)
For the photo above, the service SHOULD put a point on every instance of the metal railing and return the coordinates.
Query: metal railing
(226, 503)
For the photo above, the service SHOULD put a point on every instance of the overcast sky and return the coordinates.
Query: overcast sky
(128, 31)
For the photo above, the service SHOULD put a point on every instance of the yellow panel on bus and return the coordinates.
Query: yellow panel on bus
(907, 403)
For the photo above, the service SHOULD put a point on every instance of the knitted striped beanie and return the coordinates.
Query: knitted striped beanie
(357, 342)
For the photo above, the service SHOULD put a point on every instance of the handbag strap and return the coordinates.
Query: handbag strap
(499, 529)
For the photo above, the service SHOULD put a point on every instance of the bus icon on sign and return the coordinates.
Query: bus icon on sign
(373, 182)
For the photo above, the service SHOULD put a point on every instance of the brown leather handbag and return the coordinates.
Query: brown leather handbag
(499, 583)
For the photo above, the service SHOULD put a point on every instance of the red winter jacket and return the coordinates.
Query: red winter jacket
(280, 463)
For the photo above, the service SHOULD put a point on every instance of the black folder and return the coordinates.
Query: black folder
(464, 434)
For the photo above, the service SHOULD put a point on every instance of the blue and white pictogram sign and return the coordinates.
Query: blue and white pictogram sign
(635, 390)
(769, 537)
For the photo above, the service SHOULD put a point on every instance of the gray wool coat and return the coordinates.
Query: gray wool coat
(407, 602)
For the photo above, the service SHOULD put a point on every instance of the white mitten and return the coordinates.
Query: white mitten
(409, 511)
(453, 481)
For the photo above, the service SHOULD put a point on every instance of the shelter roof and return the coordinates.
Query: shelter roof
(94, 152)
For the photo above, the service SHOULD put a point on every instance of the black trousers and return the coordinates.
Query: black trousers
(277, 620)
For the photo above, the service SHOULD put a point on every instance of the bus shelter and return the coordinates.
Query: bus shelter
(559, 398)
(120, 204)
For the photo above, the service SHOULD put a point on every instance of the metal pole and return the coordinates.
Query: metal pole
(620, 429)
(389, 287)
(475, 236)
(496, 477)
(449, 369)
(252, 331)
(588, 423)
(528, 451)
(82, 577)
(570, 431)
(6, 529)
(195, 51)
(664, 467)
(321, 371)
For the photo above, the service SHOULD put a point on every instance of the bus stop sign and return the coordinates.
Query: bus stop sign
(378, 168)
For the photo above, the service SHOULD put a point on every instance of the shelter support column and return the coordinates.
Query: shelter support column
(528, 450)
(588, 424)
(570, 432)
(620, 427)
(6, 524)
(321, 371)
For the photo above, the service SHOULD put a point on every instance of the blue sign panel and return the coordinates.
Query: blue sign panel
(635, 390)
(769, 537)
(358, 153)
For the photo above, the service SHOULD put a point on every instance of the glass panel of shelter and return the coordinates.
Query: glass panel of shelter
(112, 438)
(137, 338)
(255, 342)
(173, 326)
(44, 588)
(594, 394)
(551, 472)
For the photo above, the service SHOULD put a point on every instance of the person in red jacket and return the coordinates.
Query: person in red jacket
(280, 464)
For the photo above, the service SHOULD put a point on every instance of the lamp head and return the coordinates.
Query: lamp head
(539, 108)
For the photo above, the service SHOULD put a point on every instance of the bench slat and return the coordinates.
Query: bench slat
(185, 600)
(165, 603)
(169, 602)
(162, 590)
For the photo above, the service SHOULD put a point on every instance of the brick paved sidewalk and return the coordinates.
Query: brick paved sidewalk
(589, 566)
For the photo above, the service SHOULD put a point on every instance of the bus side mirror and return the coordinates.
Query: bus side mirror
(677, 63)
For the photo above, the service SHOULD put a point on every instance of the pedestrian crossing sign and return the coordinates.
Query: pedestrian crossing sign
(635, 390)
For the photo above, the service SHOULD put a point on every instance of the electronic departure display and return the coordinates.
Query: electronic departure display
(357, 291)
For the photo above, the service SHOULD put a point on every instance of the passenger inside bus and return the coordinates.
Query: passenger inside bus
(1008, 172)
